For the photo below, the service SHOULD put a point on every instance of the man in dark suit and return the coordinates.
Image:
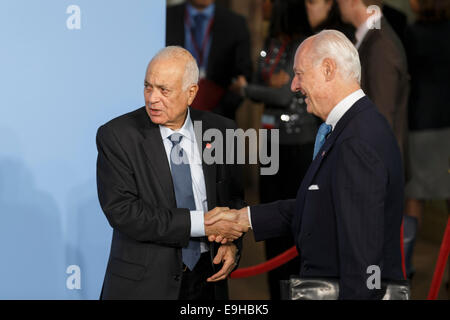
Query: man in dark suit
(155, 191)
(397, 20)
(347, 215)
(219, 40)
(384, 75)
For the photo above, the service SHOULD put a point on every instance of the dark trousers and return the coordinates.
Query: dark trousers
(294, 162)
(193, 283)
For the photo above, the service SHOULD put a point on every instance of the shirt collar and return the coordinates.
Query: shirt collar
(187, 130)
(208, 11)
(342, 107)
(362, 30)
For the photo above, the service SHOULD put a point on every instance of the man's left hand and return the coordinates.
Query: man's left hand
(227, 255)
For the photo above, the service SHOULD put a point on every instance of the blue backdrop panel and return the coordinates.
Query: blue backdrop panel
(63, 73)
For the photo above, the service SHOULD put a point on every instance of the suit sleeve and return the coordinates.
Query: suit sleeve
(359, 189)
(272, 220)
(120, 201)
(384, 80)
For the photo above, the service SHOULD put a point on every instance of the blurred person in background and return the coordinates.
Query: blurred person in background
(219, 40)
(396, 19)
(384, 71)
(428, 48)
(283, 110)
(324, 14)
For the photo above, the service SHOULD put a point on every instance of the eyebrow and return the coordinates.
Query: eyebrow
(163, 85)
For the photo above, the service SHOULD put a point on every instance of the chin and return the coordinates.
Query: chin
(157, 120)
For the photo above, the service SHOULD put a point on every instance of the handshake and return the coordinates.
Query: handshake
(223, 225)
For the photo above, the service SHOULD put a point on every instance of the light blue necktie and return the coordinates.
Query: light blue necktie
(182, 183)
(324, 130)
(198, 29)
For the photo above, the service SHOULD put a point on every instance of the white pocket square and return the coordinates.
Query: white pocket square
(313, 187)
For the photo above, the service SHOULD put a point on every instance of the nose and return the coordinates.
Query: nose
(152, 96)
(295, 85)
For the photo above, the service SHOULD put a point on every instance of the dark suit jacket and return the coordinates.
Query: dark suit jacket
(353, 220)
(229, 55)
(385, 79)
(397, 20)
(428, 52)
(136, 194)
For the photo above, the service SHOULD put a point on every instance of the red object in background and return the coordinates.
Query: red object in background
(268, 126)
(266, 266)
(440, 265)
(291, 254)
(402, 250)
(208, 95)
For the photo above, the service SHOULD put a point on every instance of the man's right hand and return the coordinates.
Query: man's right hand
(224, 229)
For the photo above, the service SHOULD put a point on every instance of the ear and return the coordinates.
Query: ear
(329, 69)
(192, 92)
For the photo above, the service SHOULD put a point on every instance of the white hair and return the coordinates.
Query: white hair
(335, 45)
(191, 72)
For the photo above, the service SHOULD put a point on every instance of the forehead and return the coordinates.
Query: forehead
(165, 70)
(301, 59)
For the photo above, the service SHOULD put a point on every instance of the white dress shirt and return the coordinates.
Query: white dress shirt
(333, 117)
(191, 148)
(342, 107)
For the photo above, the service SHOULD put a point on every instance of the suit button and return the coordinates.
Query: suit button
(176, 277)
(308, 234)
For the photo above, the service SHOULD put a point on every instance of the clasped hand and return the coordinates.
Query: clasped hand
(223, 225)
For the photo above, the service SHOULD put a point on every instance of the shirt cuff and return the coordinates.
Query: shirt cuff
(197, 224)
(249, 217)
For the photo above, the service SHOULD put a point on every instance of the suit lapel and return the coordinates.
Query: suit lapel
(156, 155)
(209, 170)
(322, 154)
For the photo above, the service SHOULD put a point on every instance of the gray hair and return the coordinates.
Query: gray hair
(335, 45)
(191, 72)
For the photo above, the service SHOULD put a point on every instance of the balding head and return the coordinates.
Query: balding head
(326, 68)
(335, 45)
(180, 55)
(170, 86)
